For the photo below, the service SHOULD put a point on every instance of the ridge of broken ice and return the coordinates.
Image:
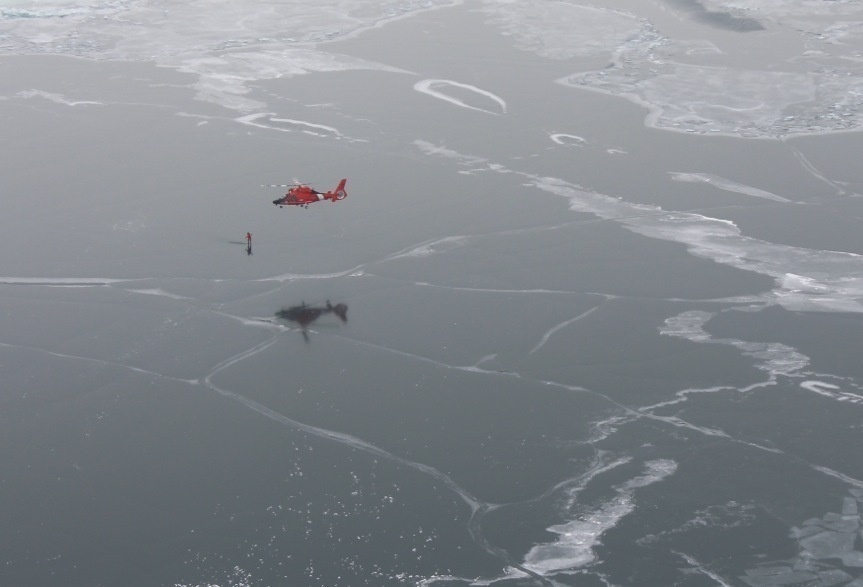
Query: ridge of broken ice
(822, 542)
(576, 539)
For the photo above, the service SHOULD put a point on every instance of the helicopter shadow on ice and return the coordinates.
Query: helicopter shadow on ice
(304, 315)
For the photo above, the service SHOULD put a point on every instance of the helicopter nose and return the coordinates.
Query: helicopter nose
(276, 202)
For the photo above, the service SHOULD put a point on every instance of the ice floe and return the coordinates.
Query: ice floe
(832, 391)
(726, 184)
(227, 45)
(742, 102)
(805, 279)
(560, 30)
(780, 10)
(57, 98)
(431, 88)
(230, 45)
(576, 539)
(568, 140)
(224, 79)
(684, 93)
(773, 357)
(269, 121)
(826, 544)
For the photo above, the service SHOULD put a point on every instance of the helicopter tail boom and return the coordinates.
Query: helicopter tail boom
(339, 193)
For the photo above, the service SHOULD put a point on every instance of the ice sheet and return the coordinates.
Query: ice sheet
(235, 45)
(806, 279)
(231, 47)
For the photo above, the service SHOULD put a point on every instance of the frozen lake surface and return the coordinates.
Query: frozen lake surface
(590, 315)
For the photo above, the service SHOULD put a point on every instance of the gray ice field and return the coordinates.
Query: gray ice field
(589, 316)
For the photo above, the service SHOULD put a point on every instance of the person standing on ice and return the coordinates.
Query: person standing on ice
(249, 239)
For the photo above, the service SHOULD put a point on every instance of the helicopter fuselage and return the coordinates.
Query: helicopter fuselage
(303, 195)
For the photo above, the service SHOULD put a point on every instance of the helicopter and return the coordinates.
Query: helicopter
(302, 195)
(304, 315)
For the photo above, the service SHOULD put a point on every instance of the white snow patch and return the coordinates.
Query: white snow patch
(428, 86)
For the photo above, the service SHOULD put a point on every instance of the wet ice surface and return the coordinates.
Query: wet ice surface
(580, 349)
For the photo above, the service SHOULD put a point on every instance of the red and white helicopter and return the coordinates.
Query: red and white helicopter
(302, 195)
